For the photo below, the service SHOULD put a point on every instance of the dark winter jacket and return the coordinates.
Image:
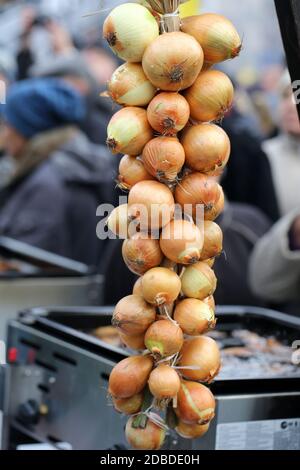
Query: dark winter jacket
(52, 203)
(248, 177)
(242, 227)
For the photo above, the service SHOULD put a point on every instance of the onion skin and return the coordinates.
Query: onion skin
(152, 204)
(204, 353)
(198, 281)
(129, 86)
(128, 131)
(194, 317)
(210, 262)
(131, 171)
(150, 438)
(196, 403)
(211, 96)
(168, 113)
(160, 286)
(129, 29)
(216, 35)
(130, 376)
(133, 316)
(164, 382)
(216, 209)
(141, 254)
(136, 343)
(129, 406)
(169, 68)
(117, 222)
(182, 242)
(137, 288)
(164, 338)
(213, 240)
(210, 301)
(196, 189)
(164, 157)
(191, 431)
(207, 147)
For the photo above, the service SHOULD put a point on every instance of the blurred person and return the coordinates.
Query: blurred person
(100, 63)
(284, 150)
(59, 177)
(242, 226)
(275, 264)
(74, 69)
(42, 37)
(87, 70)
(247, 178)
(7, 66)
(7, 76)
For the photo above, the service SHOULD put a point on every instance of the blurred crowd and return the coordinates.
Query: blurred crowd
(55, 168)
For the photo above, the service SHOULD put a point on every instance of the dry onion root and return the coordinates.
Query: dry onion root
(164, 383)
(181, 241)
(151, 204)
(141, 253)
(164, 338)
(196, 403)
(129, 29)
(128, 131)
(168, 113)
(129, 86)
(130, 376)
(217, 208)
(211, 96)
(197, 189)
(164, 158)
(131, 171)
(172, 68)
(160, 286)
(133, 316)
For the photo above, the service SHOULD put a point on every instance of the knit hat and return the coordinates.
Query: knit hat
(37, 105)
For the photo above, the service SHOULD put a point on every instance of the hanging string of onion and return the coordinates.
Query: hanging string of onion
(175, 153)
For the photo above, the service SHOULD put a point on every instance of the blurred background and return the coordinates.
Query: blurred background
(56, 170)
(61, 39)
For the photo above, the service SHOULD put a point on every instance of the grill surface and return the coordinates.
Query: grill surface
(63, 371)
